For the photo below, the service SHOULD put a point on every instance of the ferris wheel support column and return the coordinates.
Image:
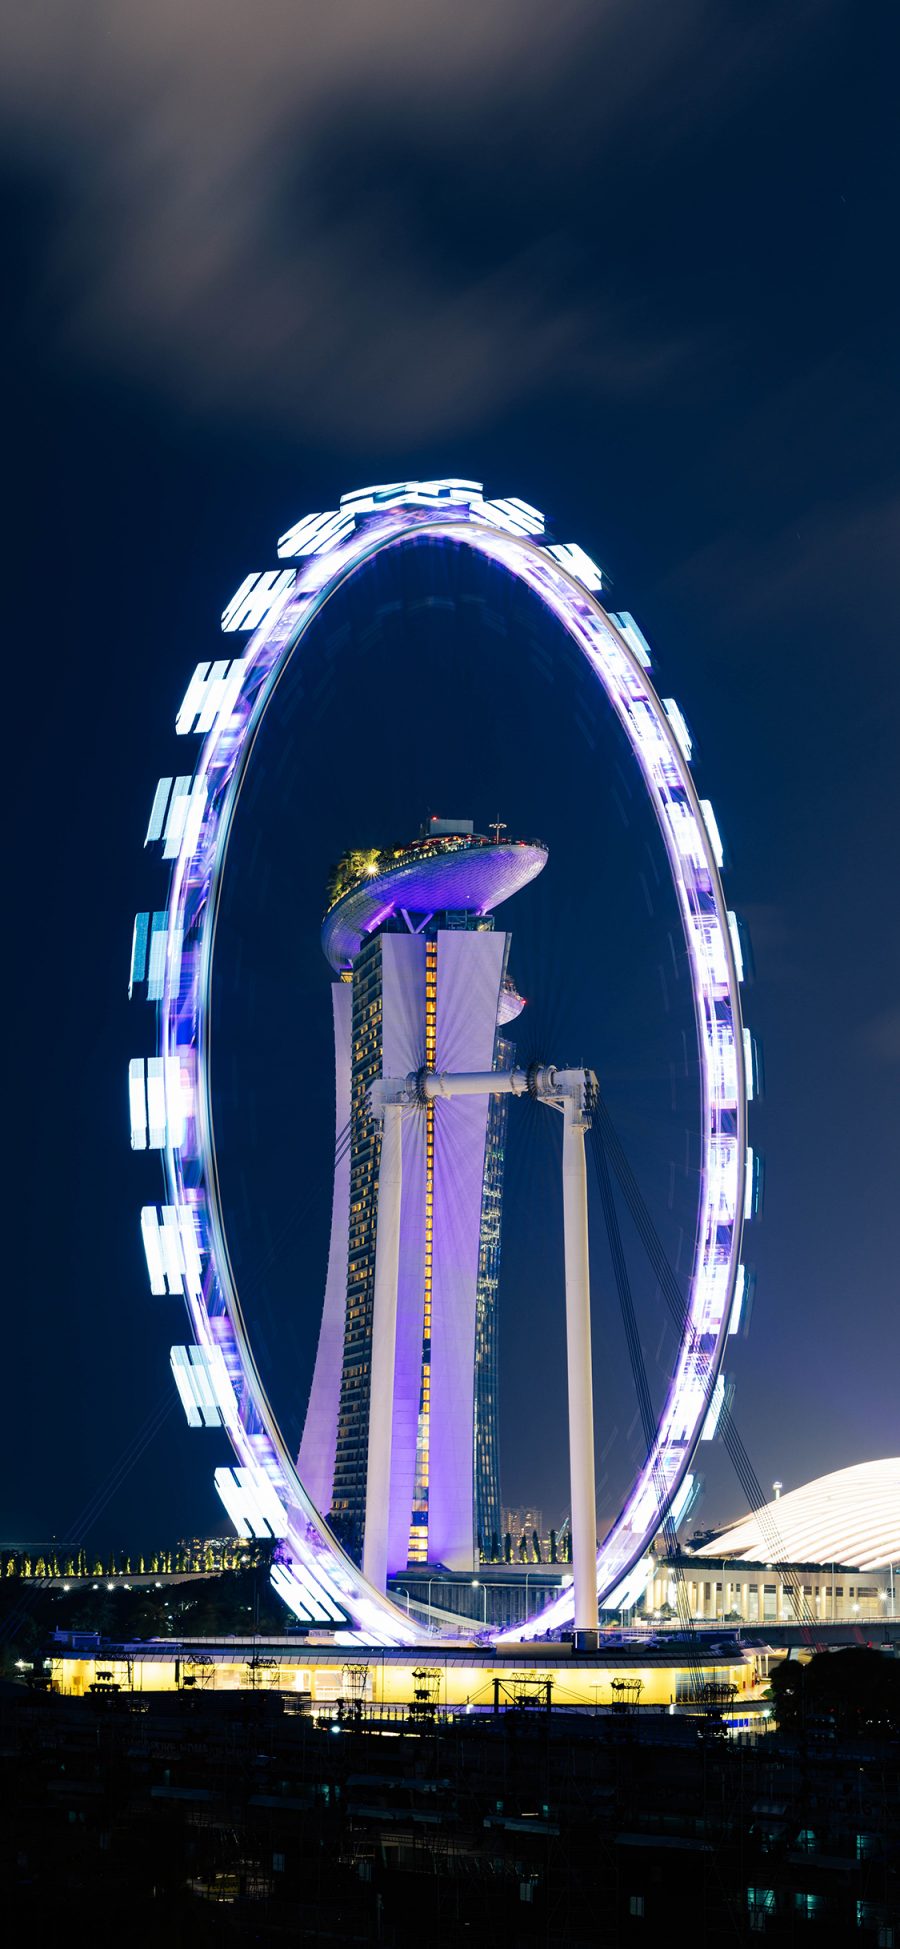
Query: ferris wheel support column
(578, 1358)
(384, 1348)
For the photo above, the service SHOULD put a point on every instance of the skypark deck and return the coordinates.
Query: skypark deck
(451, 873)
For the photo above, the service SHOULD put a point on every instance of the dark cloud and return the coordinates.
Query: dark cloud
(248, 199)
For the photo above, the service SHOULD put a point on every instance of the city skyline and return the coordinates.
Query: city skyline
(732, 462)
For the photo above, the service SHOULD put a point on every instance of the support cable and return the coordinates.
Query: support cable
(672, 1294)
(645, 1404)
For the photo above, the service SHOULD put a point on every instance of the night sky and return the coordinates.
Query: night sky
(636, 263)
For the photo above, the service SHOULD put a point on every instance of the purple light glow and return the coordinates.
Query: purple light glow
(506, 532)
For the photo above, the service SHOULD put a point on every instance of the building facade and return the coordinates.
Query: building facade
(487, 1376)
(737, 1592)
(827, 1552)
(422, 981)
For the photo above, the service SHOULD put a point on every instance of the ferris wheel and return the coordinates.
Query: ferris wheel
(170, 1091)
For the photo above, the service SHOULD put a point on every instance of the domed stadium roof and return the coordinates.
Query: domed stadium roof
(851, 1518)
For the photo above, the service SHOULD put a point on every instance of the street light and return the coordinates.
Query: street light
(477, 1585)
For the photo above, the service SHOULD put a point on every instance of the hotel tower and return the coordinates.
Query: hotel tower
(422, 982)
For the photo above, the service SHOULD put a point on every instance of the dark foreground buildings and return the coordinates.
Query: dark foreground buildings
(205, 1817)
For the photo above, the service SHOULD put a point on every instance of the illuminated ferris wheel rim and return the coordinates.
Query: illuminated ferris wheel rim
(312, 1568)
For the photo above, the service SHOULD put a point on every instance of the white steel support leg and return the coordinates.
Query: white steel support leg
(384, 1349)
(580, 1371)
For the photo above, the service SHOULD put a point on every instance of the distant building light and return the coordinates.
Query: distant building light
(439, 827)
